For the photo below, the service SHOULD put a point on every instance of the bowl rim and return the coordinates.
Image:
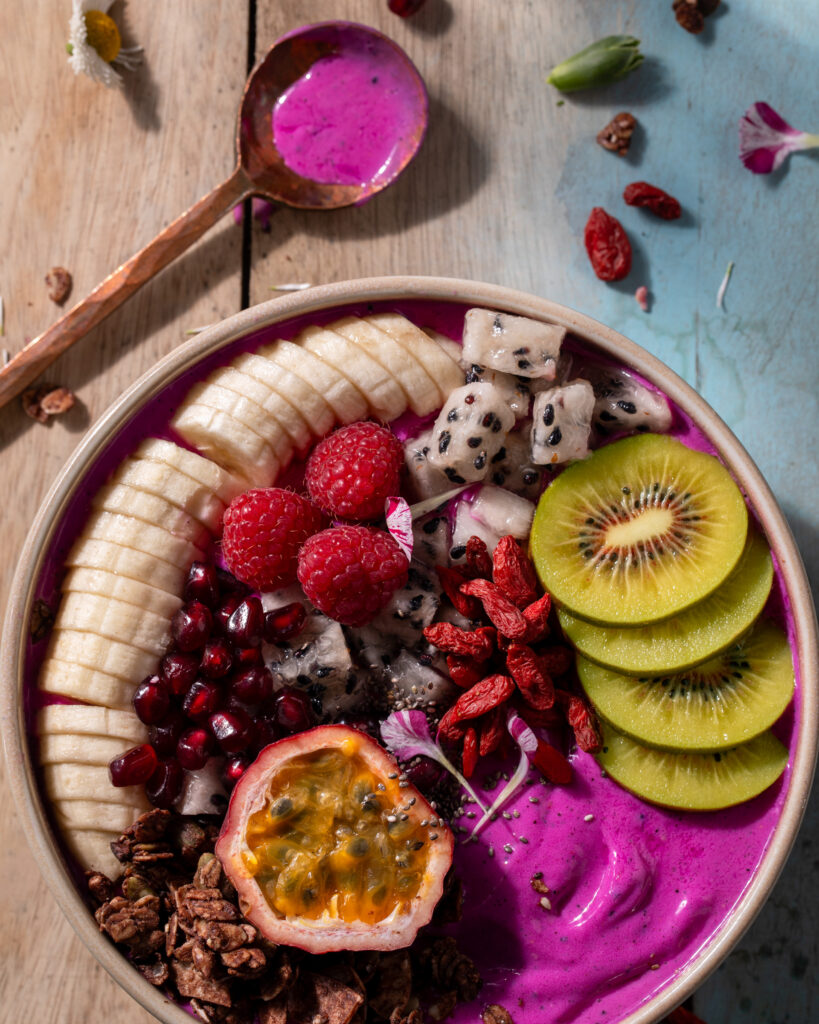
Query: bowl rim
(31, 812)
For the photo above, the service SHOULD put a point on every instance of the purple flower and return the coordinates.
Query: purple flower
(765, 139)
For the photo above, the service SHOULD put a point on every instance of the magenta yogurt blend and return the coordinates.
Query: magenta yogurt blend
(634, 891)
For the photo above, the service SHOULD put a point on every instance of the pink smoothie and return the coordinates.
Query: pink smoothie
(350, 119)
(635, 891)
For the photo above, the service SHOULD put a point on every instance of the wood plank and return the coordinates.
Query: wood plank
(88, 176)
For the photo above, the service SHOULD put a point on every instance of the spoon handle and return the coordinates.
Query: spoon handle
(41, 352)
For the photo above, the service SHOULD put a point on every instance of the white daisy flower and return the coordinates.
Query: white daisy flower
(95, 45)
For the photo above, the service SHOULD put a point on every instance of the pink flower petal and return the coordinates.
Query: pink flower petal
(766, 138)
(399, 523)
(773, 120)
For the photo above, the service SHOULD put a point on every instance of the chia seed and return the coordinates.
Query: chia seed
(507, 848)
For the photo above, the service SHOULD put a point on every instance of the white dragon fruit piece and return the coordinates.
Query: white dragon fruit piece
(413, 684)
(517, 391)
(503, 512)
(516, 471)
(512, 344)
(469, 432)
(624, 404)
(427, 480)
(411, 608)
(561, 423)
(466, 526)
(203, 791)
(431, 540)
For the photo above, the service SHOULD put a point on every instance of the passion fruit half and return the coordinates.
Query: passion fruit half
(328, 850)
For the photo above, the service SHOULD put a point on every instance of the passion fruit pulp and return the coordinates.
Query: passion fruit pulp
(328, 850)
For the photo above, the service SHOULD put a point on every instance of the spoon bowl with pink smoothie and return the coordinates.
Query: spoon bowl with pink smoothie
(643, 902)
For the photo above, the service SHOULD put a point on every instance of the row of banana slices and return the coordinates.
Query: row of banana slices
(161, 510)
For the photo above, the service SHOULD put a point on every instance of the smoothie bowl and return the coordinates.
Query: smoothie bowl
(457, 757)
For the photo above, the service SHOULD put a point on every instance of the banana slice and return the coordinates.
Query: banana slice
(92, 849)
(101, 655)
(452, 348)
(444, 370)
(89, 782)
(346, 401)
(162, 480)
(82, 815)
(67, 749)
(223, 484)
(151, 508)
(121, 588)
(83, 719)
(123, 622)
(318, 415)
(423, 394)
(385, 396)
(271, 402)
(141, 536)
(137, 565)
(249, 413)
(70, 679)
(229, 442)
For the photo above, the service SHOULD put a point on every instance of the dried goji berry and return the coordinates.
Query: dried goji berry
(476, 643)
(534, 683)
(484, 696)
(556, 660)
(552, 764)
(464, 672)
(478, 561)
(536, 615)
(582, 720)
(541, 719)
(513, 573)
(449, 729)
(493, 729)
(500, 611)
(470, 752)
(607, 245)
(451, 580)
(640, 193)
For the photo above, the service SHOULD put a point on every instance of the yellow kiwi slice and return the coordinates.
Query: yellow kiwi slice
(695, 635)
(726, 701)
(690, 781)
(638, 532)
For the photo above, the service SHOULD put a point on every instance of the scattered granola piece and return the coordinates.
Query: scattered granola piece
(45, 401)
(495, 1014)
(616, 136)
(641, 295)
(537, 883)
(58, 281)
(691, 14)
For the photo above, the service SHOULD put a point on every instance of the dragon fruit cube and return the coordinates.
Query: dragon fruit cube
(516, 390)
(503, 512)
(469, 432)
(511, 344)
(623, 404)
(561, 423)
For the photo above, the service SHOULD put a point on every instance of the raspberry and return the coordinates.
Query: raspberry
(351, 572)
(263, 531)
(350, 473)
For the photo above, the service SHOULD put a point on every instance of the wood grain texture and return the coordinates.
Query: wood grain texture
(500, 192)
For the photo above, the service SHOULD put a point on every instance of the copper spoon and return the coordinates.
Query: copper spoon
(260, 170)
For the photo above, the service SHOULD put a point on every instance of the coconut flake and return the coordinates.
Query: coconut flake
(422, 507)
(723, 288)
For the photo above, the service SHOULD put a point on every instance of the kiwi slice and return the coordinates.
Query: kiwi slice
(638, 532)
(695, 635)
(726, 701)
(693, 782)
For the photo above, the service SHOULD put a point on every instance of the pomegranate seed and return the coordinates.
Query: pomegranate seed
(226, 609)
(245, 625)
(202, 699)
(133, 767)
(194, 748)
(234, 769)
(202, 584)
(179, 671)
(267, 732)
(228, 584)
(405, 8)
(255, 686)
(424, 774)
(165, 735)
(151, 700)
(233, 730)
(191, 626)
(247, 657)
(217, 658)
(284, 623)
(293, 710)
(165, 785)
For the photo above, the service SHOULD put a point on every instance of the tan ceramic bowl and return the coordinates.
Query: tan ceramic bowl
(14, 648)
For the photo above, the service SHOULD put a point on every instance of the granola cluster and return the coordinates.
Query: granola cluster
(176, 914)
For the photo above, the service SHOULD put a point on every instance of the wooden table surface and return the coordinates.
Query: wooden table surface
(500, 192)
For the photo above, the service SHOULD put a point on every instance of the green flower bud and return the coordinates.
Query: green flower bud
(599, 64)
